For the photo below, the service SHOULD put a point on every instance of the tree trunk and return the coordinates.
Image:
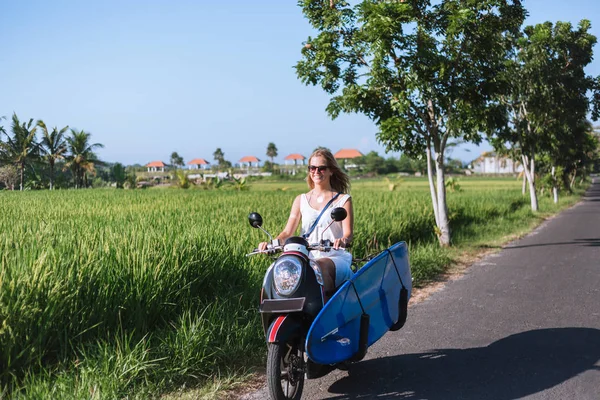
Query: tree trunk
(51, 175)
(530, 172)
(524, 183)
(566, 181)
(444, 223)
(554, 185)
(431, 185)
(572, 181)
(22, 167)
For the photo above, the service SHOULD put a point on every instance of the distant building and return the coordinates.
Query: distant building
(490, 163)
(198, 163)
(293, 162)
(295, 159)
(156, 166)
(248, 161)
(346, 157)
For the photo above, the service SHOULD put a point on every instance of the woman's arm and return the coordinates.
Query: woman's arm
(290, 226)
(347, 226)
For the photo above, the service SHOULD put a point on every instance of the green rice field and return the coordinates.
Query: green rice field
(118, 293)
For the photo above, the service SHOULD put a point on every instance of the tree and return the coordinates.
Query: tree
(454, 166)
(405, 164)
(81, 157)
(582, 156)
(183, 181)
(372, 162)
(53, 147)
(547, 99)
(20, 149)
(267, 166)
(9, 176)
(423, 73)
(595, 154)
(271, 151)
(118, 174)
(219, 156)
(130, 176)
(2, 131)
(176, 160)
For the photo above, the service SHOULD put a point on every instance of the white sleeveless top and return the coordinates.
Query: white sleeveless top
(309, 215)
(340, 257)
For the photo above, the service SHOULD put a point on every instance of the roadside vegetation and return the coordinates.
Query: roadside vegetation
(108, 294)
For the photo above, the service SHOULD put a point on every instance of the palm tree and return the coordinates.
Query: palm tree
(81, 157)
(271, 151)
(20, 149)
(176, 160)
(2, 131)
(53, 147)
(219, 156)
(1, 127)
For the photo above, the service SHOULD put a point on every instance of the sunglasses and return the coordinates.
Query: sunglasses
(321, 168)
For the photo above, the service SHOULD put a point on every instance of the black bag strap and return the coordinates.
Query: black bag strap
(314, 225)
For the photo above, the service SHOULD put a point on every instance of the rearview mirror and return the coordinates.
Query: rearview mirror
(339, 214)
(255, 220)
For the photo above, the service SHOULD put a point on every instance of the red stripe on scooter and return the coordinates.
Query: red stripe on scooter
(276, 326)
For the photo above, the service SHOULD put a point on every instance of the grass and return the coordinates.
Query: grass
(111, 294)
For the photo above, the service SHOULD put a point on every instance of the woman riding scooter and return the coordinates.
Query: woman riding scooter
(329, 186)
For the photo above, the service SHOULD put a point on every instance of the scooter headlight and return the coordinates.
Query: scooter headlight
(287, 272)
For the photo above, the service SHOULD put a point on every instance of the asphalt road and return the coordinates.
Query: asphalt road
(521, 324)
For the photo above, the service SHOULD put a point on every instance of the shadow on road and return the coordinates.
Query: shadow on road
(516, 366)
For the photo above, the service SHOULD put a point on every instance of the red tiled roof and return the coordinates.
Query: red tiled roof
(198, 161)
(156, 164)
(295, 156)
(347, 153)
(249, 159)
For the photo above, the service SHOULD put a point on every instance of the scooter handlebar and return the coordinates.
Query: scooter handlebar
(270, 250)
(324, 246)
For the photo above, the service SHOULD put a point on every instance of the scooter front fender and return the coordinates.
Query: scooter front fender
(283, 328)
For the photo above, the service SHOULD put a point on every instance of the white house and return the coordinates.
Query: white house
(156, 166)
(249, 161)
(490, 163)
(295, 159)
(347, 157)
(198, 163)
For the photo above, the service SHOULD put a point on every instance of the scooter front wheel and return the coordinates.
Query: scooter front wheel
(285, 371)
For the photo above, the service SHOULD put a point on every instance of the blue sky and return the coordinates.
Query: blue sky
(146, 78)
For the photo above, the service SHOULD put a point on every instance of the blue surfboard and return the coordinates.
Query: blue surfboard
(375, 290)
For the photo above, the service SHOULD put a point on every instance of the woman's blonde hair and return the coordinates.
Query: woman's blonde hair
(340, 182)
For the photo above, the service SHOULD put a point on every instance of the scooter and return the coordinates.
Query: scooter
(308, 339)
(292, 296)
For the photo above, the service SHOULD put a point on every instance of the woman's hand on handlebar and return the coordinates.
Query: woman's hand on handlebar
(340, 243)
(262, 246)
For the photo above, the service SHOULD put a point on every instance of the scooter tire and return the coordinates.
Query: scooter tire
(279, 358)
